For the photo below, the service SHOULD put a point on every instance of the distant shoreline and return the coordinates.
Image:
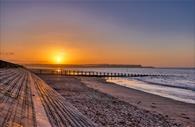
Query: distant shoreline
(90, 65)
(101, 66)
(8, 64)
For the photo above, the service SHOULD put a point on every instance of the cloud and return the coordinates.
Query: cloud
(7, 53)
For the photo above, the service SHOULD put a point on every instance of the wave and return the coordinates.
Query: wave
(183, 82)
(168, 85)
(179, 94)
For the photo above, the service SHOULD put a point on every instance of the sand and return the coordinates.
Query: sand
(176, 110)
(111, 105)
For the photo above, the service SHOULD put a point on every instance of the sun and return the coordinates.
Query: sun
(59, 58)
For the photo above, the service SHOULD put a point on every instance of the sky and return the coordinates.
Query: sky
(147, 32)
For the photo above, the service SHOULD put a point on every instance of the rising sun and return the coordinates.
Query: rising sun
(59, 58)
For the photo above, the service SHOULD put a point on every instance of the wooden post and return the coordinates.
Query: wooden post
(66, 72)
(75, 73)
(82, 73)
(86, 73)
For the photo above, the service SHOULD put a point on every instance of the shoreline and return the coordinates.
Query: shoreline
(146, 104)
(183, 112)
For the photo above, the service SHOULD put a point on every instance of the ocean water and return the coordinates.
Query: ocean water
(179, 85)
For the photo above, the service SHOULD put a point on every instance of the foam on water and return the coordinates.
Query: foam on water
(184, 95)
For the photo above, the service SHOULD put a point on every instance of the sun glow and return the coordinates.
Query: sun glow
(59, 58)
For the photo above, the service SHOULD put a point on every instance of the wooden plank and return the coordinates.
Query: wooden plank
(27, 101)
(41, 117)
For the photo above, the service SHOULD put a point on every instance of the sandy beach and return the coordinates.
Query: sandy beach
(111, 105)
(97, 63)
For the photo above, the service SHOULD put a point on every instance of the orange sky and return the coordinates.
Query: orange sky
(97, 34)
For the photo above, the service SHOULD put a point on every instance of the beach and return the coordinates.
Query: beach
(97, 63)
(111, 105)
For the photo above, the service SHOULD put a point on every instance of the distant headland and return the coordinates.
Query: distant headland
(4, 64)
(90, 65)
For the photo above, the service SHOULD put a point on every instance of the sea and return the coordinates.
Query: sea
(178, 85)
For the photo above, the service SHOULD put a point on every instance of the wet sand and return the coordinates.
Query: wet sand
(108, 104)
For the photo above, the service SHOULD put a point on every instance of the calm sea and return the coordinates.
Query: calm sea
(180, 85)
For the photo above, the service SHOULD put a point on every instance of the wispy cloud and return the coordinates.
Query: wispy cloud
(7, 53)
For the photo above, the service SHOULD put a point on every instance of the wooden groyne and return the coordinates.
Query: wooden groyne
(89, 73)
